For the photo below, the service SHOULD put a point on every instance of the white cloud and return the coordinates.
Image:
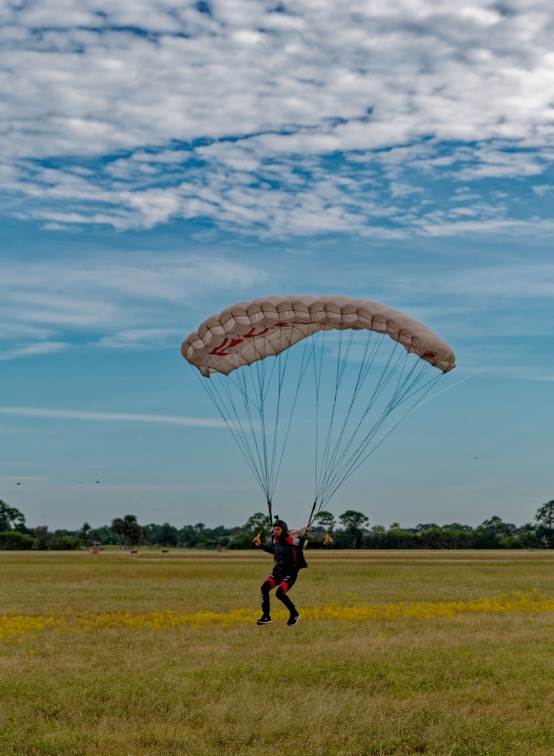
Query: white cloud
(36, 349)
(132, 301)
(518, 282)
(140, 338)
(128, 114)
(111, 417)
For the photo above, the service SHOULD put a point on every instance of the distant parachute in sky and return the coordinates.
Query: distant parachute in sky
(353, 364)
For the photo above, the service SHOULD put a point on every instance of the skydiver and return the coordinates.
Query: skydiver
(288, 554)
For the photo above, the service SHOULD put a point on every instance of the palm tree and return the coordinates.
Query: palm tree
(118, 527)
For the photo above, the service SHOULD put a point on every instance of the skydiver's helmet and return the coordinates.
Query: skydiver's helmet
(281, 524)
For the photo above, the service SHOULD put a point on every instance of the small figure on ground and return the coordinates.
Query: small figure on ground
(287, 550)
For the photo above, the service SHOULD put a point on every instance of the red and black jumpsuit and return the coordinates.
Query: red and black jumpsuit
(289, 559)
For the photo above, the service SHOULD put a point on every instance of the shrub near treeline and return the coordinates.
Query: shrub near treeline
(353, 532)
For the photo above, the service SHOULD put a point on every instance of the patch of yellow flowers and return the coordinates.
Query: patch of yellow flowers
(14, 626)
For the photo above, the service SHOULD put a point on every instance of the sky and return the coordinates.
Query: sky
(160, 161)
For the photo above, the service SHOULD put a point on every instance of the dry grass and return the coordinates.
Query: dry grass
(477, 683)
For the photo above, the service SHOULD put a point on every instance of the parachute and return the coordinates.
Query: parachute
(347, 371)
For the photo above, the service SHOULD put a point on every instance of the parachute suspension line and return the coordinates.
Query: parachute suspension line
(270, 510)
(317, 384)
(371, 349)
(342, 463)
(303, 367)
(312, 513)
(281, 363)
(260, 373)
(269, 446)
(407, 387)
(277, 455)
(236, 391)
(337, 462)
(365, 365)
(245, 436)
(260, 429)
(257, 446)
(359, 461)
(265, 380)
(251, 446)
(234, 426)
(368, 358)
(257, 378)
(339, 374)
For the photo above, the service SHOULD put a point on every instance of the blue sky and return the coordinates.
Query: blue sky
(159, 162)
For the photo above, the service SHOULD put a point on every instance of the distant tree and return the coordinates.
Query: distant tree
(353, 523)
(84, 532)
(353, 519)
(494, 533)
(528, 536)
(185, 535)
(398, 538)
(41, 538)
(10, 517)
(376, 538)
(458, 526)
(241, 538)
(442, 538)
(133, 532)
(103, 535)
(496, 526)
(129, 529)
(118, 528)
(13, 540)
(56, 541)
(257, 522)
(326, 520)
(426, 526)
(167, 535)
(545, 520)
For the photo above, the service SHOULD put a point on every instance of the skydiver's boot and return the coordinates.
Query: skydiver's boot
(282, 596)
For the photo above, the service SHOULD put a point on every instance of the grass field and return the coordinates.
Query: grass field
(395, 653)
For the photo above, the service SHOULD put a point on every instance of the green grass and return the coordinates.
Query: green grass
(479, 683)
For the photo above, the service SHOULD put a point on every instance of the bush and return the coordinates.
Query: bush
(11, 540)
(242, 541)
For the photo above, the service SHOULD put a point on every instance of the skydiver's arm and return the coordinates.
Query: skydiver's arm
(318, 544)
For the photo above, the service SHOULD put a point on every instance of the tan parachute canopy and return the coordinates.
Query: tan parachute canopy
(250, 331)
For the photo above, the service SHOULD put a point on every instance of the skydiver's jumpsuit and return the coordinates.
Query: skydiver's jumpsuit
(289, 559)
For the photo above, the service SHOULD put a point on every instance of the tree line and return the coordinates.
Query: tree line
(351, 530)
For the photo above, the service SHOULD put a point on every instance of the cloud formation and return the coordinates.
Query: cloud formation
(131, 301)
(111, 417)
(276, 119)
